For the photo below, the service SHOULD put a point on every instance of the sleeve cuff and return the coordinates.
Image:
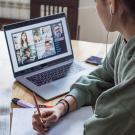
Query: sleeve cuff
(82, 97)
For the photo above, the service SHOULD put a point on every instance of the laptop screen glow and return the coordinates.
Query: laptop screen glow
(39, 43)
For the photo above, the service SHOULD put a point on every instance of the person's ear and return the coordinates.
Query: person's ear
(112, 6)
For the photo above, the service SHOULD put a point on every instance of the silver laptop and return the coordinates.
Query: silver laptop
(41, 55)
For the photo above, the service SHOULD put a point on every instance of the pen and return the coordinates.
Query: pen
(35, 100)
(25, 104)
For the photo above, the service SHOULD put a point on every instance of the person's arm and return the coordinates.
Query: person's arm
(84, 91)
(63, 106)
(50, 116)
(115, 108)
(80, 95)
(87, 88)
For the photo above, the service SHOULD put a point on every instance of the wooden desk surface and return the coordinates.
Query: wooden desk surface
(81, 49)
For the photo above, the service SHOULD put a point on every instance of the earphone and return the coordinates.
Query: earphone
(107, 38)
(111, 10)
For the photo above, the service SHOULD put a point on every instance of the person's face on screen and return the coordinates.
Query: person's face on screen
(18, 53)
(48, 45)
(36, 38)
(57, 30)
(24, 37)
(27, 53)
(18, 56)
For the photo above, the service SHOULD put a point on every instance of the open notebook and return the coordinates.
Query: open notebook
(72, 124)
(5, 101)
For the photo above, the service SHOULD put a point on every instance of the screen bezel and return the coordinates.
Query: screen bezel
(31, 22)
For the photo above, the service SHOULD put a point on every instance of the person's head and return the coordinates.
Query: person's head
(48, 45)
(57, 29)
(36, 37)
(44, 30)
(18, 52)
(15, 40)
(24, 38)
(27, 53)
(116, 13)
(18, 56)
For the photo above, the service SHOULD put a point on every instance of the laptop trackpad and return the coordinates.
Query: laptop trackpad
(65, 83)
(48, 91)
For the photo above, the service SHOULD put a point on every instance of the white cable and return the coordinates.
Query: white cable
(107, 37)
(106, 44)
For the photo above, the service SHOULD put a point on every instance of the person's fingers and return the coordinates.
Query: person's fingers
(49, 124)
(37, 118)
(36, 121)
(40, 128)
(46, 113)
(35, 112)
(35, 115)
(37, 127)
(51, 118)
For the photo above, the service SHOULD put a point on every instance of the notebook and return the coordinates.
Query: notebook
(41, 55)
(72, 124)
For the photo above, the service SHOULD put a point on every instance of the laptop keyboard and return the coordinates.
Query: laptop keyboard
(54, 74)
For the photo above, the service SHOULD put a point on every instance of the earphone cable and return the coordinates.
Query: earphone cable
(107, 37)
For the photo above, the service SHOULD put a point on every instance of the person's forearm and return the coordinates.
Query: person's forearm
(63, 106)
(72, 102)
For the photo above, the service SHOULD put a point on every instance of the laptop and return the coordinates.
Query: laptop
(41, 55)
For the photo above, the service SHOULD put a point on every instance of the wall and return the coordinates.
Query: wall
(91, 28)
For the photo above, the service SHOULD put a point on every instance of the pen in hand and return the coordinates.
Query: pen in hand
(36, 104)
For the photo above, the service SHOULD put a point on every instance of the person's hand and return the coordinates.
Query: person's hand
(49, 116)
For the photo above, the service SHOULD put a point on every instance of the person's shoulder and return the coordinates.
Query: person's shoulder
(119, 40)
(129, 50)
(118, 43)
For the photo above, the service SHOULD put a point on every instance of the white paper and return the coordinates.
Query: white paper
(5, 110)
(4, 124)
(5, 102)
(72, 124)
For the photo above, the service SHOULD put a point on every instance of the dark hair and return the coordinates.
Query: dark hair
(129, 9)
(26, 40)
(27, 50)
(130, 4)
(47, 41)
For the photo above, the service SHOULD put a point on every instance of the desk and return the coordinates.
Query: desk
(81, 49)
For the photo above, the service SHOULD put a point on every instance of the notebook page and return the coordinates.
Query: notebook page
(72, 124)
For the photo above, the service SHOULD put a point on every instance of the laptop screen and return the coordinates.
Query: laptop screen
(36, 42)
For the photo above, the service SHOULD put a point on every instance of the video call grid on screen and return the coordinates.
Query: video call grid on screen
(38, 43)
